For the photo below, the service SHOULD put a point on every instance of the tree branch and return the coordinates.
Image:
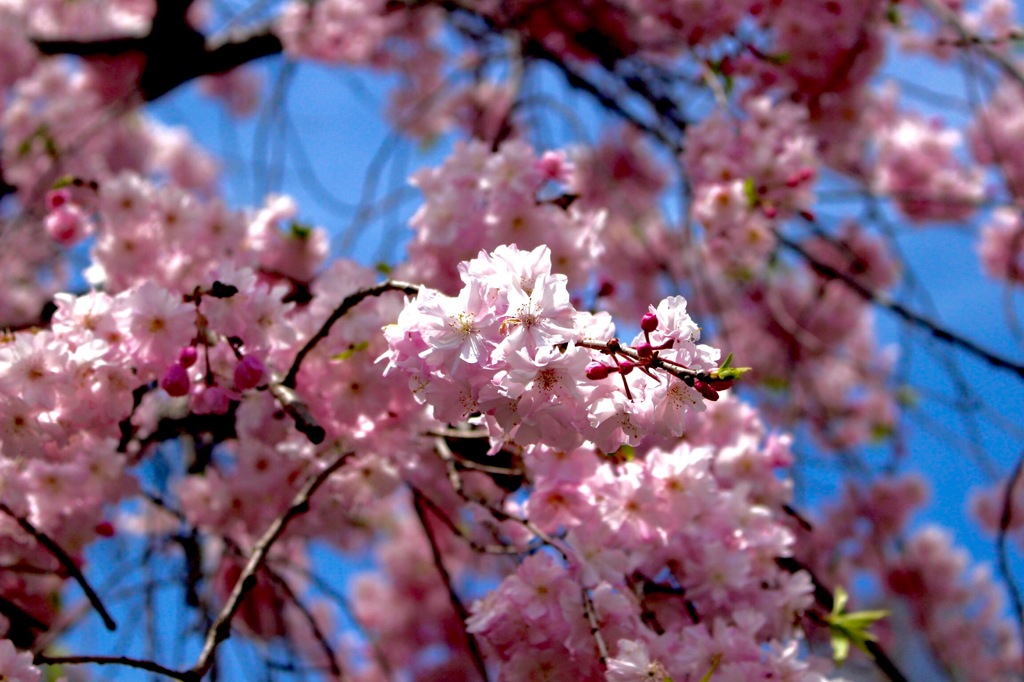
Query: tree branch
(823, 596)
(350, 302)
(42, 659)
(902, 311)
(220, 629)
(174, 51)
(453, 596)
(1004, 563)
(66, 562)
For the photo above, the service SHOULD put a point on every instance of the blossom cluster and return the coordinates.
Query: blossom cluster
(479, 197)
(748, 173)
(511, 346)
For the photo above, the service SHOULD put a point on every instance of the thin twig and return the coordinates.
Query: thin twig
(453, 596)
(595, 628)
(350, 302)
(321, 638)
(220, 629)
(42, 659)
(1005, 63)
(1004, 528)
(902, 311)
(442, 450)
(65, 561)
(343, 603)
(498, 549)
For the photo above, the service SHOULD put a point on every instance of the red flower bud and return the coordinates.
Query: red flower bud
(705, 390)
(721, 384)
(187, 357)
(649, 322)
(175, 381)
(645, 350)
(249, 373)
(597, 371)
(57, 197)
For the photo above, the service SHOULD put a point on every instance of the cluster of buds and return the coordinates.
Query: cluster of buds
(645, 356)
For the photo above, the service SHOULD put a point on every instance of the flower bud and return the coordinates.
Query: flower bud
(645, 350)
(705, 390)
(65, 224)
(212, 400)
(649, 322)
(57, 197)
(597, 371)
(187, 357)
(721, 384)
(249, 373)
(175, 381)
(552, 166)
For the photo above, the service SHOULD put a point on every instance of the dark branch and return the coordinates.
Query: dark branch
(220, 629)
(350, 302)
(42, 659)
(823, 596)
(1004, 529)
(453, 596)
(66, 562)
(901, 310)
(174, 51)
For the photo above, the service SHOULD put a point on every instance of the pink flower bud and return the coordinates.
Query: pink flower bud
(175, 381)
(649, 322)
(597, 371)
(645, 350)
(800, 177)
(64, 224)
(626, 367)
(188, 355)
(212, 400)
(721, 384)
(249, 373)
(552, 165)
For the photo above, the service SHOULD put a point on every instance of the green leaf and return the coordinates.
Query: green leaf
(839, 601)
(300, 231)
(625, 453)
(726, 373)
(850, 628)
(714, 666)
(726, 363)
(351, 350)
(383, 268)
(906, 396)
(840, 648)
(881, 432)
(64, 181)
(750, 192)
